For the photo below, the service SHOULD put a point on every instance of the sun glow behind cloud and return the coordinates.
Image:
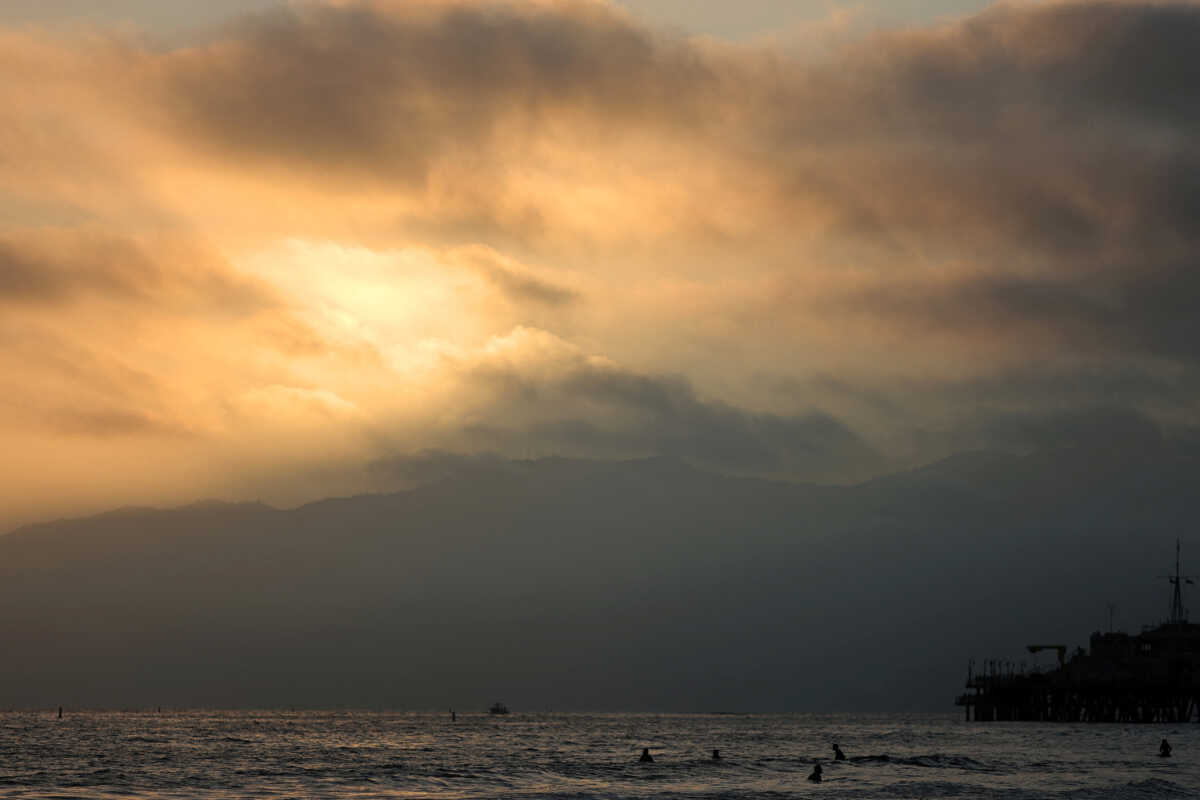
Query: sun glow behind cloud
(331, 234)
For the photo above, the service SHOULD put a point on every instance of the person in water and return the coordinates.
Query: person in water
(646, 757)
(1164, 749)
(815, 775)
(838, 755)
(716, 755)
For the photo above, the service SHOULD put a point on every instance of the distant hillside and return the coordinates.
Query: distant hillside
(599, 585)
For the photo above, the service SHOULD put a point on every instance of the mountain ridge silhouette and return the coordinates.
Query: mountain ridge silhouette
(647, 584)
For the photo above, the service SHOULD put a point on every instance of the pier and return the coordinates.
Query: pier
(1149, 677)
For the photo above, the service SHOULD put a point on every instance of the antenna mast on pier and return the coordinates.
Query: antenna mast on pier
(1179, 614)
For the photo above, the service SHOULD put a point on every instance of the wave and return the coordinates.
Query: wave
(933, 761)
(1134, 790)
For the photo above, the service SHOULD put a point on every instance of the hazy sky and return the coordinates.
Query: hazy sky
(722, 18)
(257, 258)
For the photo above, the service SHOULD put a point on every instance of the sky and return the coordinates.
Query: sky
(259, 251)
(716, 18)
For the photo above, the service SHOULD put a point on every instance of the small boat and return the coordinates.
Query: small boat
(498, 708)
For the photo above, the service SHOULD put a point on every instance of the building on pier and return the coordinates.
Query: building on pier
(1153, 676)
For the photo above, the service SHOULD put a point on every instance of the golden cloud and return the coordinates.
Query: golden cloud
(370, 227)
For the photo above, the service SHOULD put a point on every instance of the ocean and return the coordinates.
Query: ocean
(365, 754)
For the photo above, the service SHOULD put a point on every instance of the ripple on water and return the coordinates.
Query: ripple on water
(220, 755)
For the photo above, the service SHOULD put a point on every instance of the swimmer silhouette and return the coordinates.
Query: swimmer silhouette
(838, 755)
(716, 755)
(646, 757)
(815, 775)
(1164, 749)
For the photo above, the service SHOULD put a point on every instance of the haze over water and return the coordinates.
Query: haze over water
(358, 754)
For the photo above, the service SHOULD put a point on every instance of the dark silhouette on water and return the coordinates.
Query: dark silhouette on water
(1164, 749)
(1127, 678)
(838, 755)
(453, 716)
(646, 757)
(716, 755)
(815, 775)
(60, 713)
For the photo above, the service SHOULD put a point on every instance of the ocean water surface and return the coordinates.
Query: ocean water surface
(363, 754)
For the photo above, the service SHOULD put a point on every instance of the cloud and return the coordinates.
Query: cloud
(532, 392)
(1134, 312)
(513, 280)
(1044, 137)
(41, 271)
(48, 266)
(668, 418)
(479, 225)
(111, 422)
(383, 89)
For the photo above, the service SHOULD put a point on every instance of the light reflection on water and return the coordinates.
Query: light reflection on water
(348, 754)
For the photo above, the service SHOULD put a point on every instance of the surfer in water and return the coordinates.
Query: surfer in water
(815, 775)
(646, 757)
(1164, 749)
(838, 755)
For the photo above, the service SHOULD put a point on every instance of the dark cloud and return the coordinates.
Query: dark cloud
(375, 89)
(32, 272)
(21, 281)
(108, 423)
(50, 267)
(1148, 310)
(1040, 162)
(1039, 405)
(518, 285)
(528, 289)
(668, 415)
(614, 412)
(1116, 61)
